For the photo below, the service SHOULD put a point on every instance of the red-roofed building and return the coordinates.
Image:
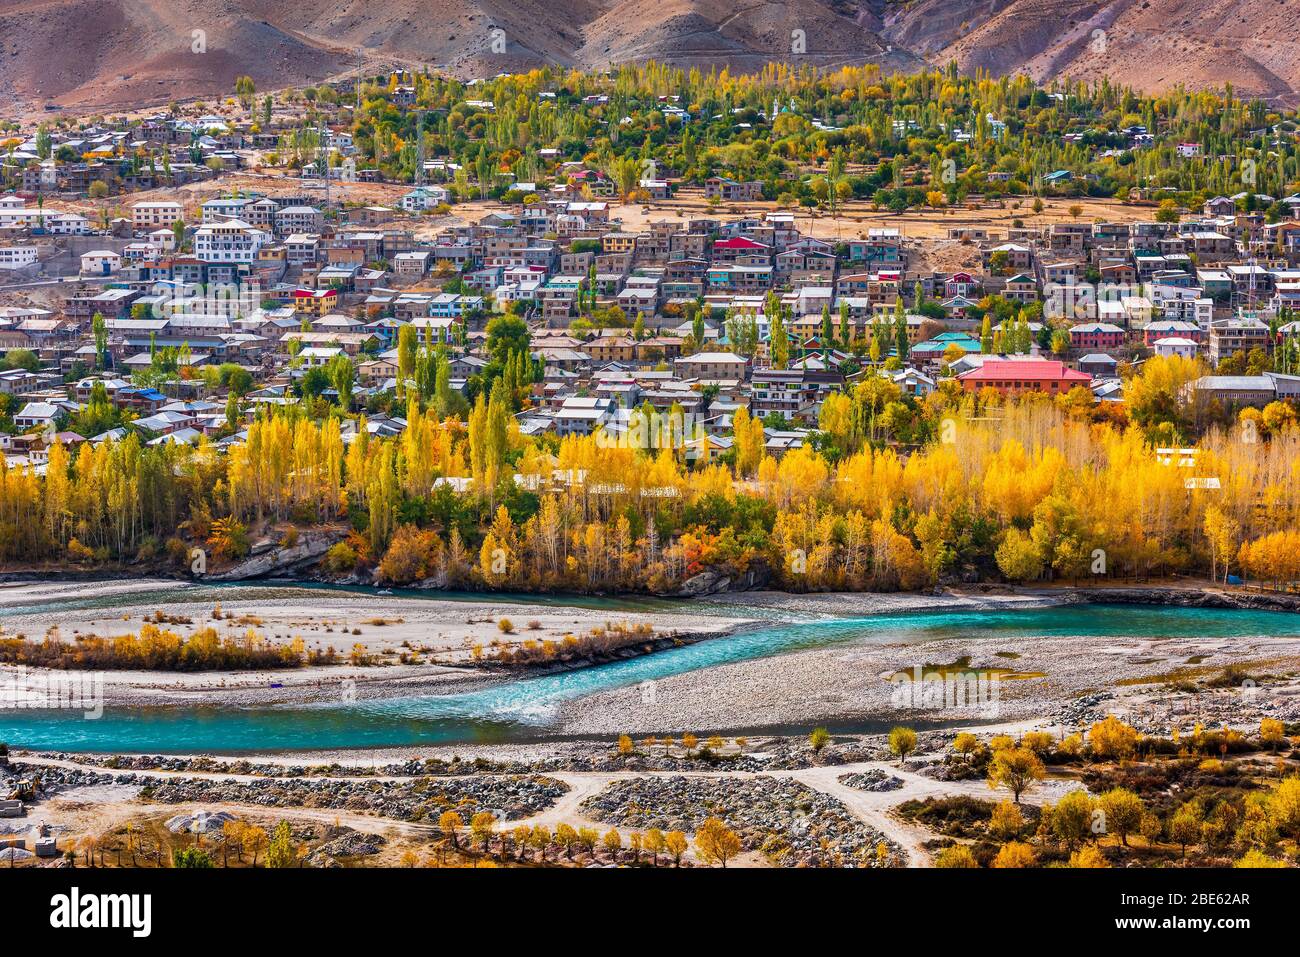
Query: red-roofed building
(739, 248)
(1014, 376)
(738, 242)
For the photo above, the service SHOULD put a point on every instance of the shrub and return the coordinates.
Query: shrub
(1006, 821)
(1256, 858)
(959, 855)
(340, 558)
(1088, 857)
(1112, 738)
(191, 857)
(153, 649)
(228, 539)
(1015, 854)
(78, 552)
(1038, 742)
(411, 556)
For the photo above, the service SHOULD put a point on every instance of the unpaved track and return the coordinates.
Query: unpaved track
(874, 808)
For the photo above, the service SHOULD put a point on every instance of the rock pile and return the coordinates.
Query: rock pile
(1083, 710)
(416, 799)
(348, 843)
(791, 823)
(200, 822)
(873, 780)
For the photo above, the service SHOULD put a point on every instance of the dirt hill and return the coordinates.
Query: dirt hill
(91, 54)
(136, 52)
(1148, 44)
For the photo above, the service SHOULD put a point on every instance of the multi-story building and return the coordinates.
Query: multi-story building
(298, 219)
(229, 242)
(146, 216)
(732, 191)
(1096, 336)
(713, 367)
(315, 302)
(1014, 376)
(1241, 334)
(794, 393)
(17, 257)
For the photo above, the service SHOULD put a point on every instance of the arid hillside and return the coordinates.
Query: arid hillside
(87, 54)
(1149, 44)
(102, 53)
(91, 54)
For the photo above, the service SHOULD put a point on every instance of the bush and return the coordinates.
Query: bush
(1015, 854)
(1112, 738)
(191, 857)
(959, 855)
(951, 816)
(228, 539)
(176, 550)
(153, 649)
(78, 552)
(340, 558)
(412, 555)
(600, 642)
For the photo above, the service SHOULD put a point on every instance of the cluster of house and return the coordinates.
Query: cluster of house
(159, 151)
(279, 284)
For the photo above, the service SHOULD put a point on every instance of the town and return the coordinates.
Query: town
(620, 468)
(189, 314)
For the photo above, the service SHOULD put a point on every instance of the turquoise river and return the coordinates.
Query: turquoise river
(523, 709)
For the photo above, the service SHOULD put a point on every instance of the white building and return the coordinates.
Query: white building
(36, 414)
(153, 215)
(1175, 346)
(100, 262)
(229, 242)
(67, 224)
(424, 198)
(16, 257)
(318, 355)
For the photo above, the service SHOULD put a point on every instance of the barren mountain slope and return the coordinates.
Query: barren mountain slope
(744, 34)
(101, 53)
(93, 53)
(1149, 44)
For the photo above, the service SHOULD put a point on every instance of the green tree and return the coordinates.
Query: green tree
(901, 343)
(282, 851)
(100, 330)
(1072, 818)
(191, 857)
